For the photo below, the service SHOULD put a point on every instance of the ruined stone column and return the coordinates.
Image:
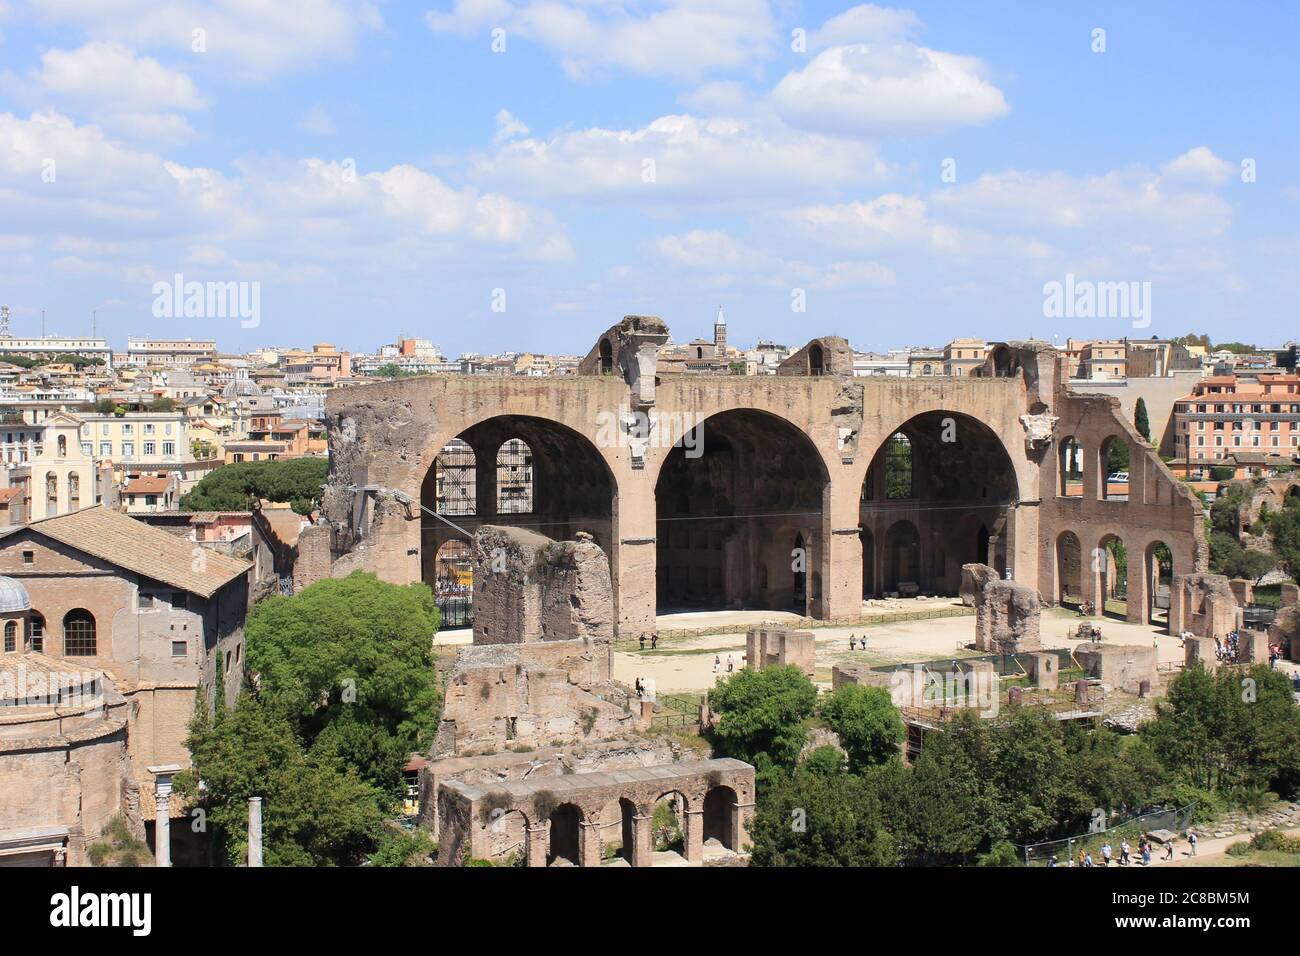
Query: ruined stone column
(539, 844)
(254, 831)
(1136, 602)
(162, 833)
(642, 841)
(694, 836)
(739, 831)
(588, 844)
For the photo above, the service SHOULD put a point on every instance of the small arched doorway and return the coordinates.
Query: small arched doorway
(566, 821)
(719, 817)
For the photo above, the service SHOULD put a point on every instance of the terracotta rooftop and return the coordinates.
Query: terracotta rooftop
(127, 543)
(147, 485)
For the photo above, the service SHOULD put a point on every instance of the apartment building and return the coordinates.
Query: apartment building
(171, 353)
(137, 439)
(961, 356)
(50, 468)
(1229, 416)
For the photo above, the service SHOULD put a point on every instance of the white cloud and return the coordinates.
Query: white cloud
(682, 39)
(853, 275)
(1199, 165)
(132, 95)
(863, 23)
(703, 249)
(1133, 202)
(879, 89)
(679, 157)
(508, 127)
(259, 39)
(888, 222)
(102, 190)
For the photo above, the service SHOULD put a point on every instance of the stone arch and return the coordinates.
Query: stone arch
(957, 491)
(573, 487)
(1157, 582)
(1110, 560)
(1107, 489)
(816, 359)
(719, 811)
(733, 502)
(668, 821)
(508, 836)
(566, 834)
(606, 357)
(1069, 569)
(1070, 468)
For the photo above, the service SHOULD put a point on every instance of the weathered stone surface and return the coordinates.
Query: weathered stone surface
(1203, 604)
(1118, 665)
(530, 588)
(973, 579)
(1007, 618)
(768, 648)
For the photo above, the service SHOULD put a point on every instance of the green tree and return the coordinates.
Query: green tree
(1284, 528)
(1140, 420)
(298, 481)
(761, 716)
(816, 819)
(868, 724)
(827, 759)
(312, 815)
(350, 661)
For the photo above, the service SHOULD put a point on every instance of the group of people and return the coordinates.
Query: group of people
(1126, 856)
(654, 641)
(717, 664)
(853, 642)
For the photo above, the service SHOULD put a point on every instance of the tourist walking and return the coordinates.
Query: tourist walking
(853, 643)
(1105, 853)
(731, 663)
(1191, 841)
(1124, 850)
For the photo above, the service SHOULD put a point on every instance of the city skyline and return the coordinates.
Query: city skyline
(901, 175)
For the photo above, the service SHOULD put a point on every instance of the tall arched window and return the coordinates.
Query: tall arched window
(79, 633)
(74, 491)
(36, 633)
(11, 636)
(816, 361)
(514, 478)
(606, 357)
(51, 493)
(455, 476)
(63, 446)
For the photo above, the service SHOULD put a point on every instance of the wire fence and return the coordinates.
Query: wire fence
(1067, 850)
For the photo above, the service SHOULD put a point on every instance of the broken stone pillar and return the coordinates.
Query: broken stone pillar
(1007, 618)
(694, 836)
(254, 831)
(1044, 670)
(1081, 691)
(1203, 604)
(1252, 648)
(642, 841)
(1118, 665)
(539, 844)
(528, 588)
(973, 579)
(770, 648)
(1290, 595)
(1200, 649)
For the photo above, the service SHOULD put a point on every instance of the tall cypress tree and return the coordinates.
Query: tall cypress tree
(1140, 420)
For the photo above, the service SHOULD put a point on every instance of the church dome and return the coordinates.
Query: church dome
(13, 596)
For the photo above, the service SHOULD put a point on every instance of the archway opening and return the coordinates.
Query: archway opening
(1112, 469)
(733, 513)
(515, 470)
(667, 830)
(1159, 577)
(508, 838)
(937, 495)
(1069, 570)
(1071, 469)
(454, 583)
(719, 816)
(566, 820)
(1111, 559)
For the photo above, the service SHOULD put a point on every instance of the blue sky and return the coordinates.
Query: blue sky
(378, 168)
